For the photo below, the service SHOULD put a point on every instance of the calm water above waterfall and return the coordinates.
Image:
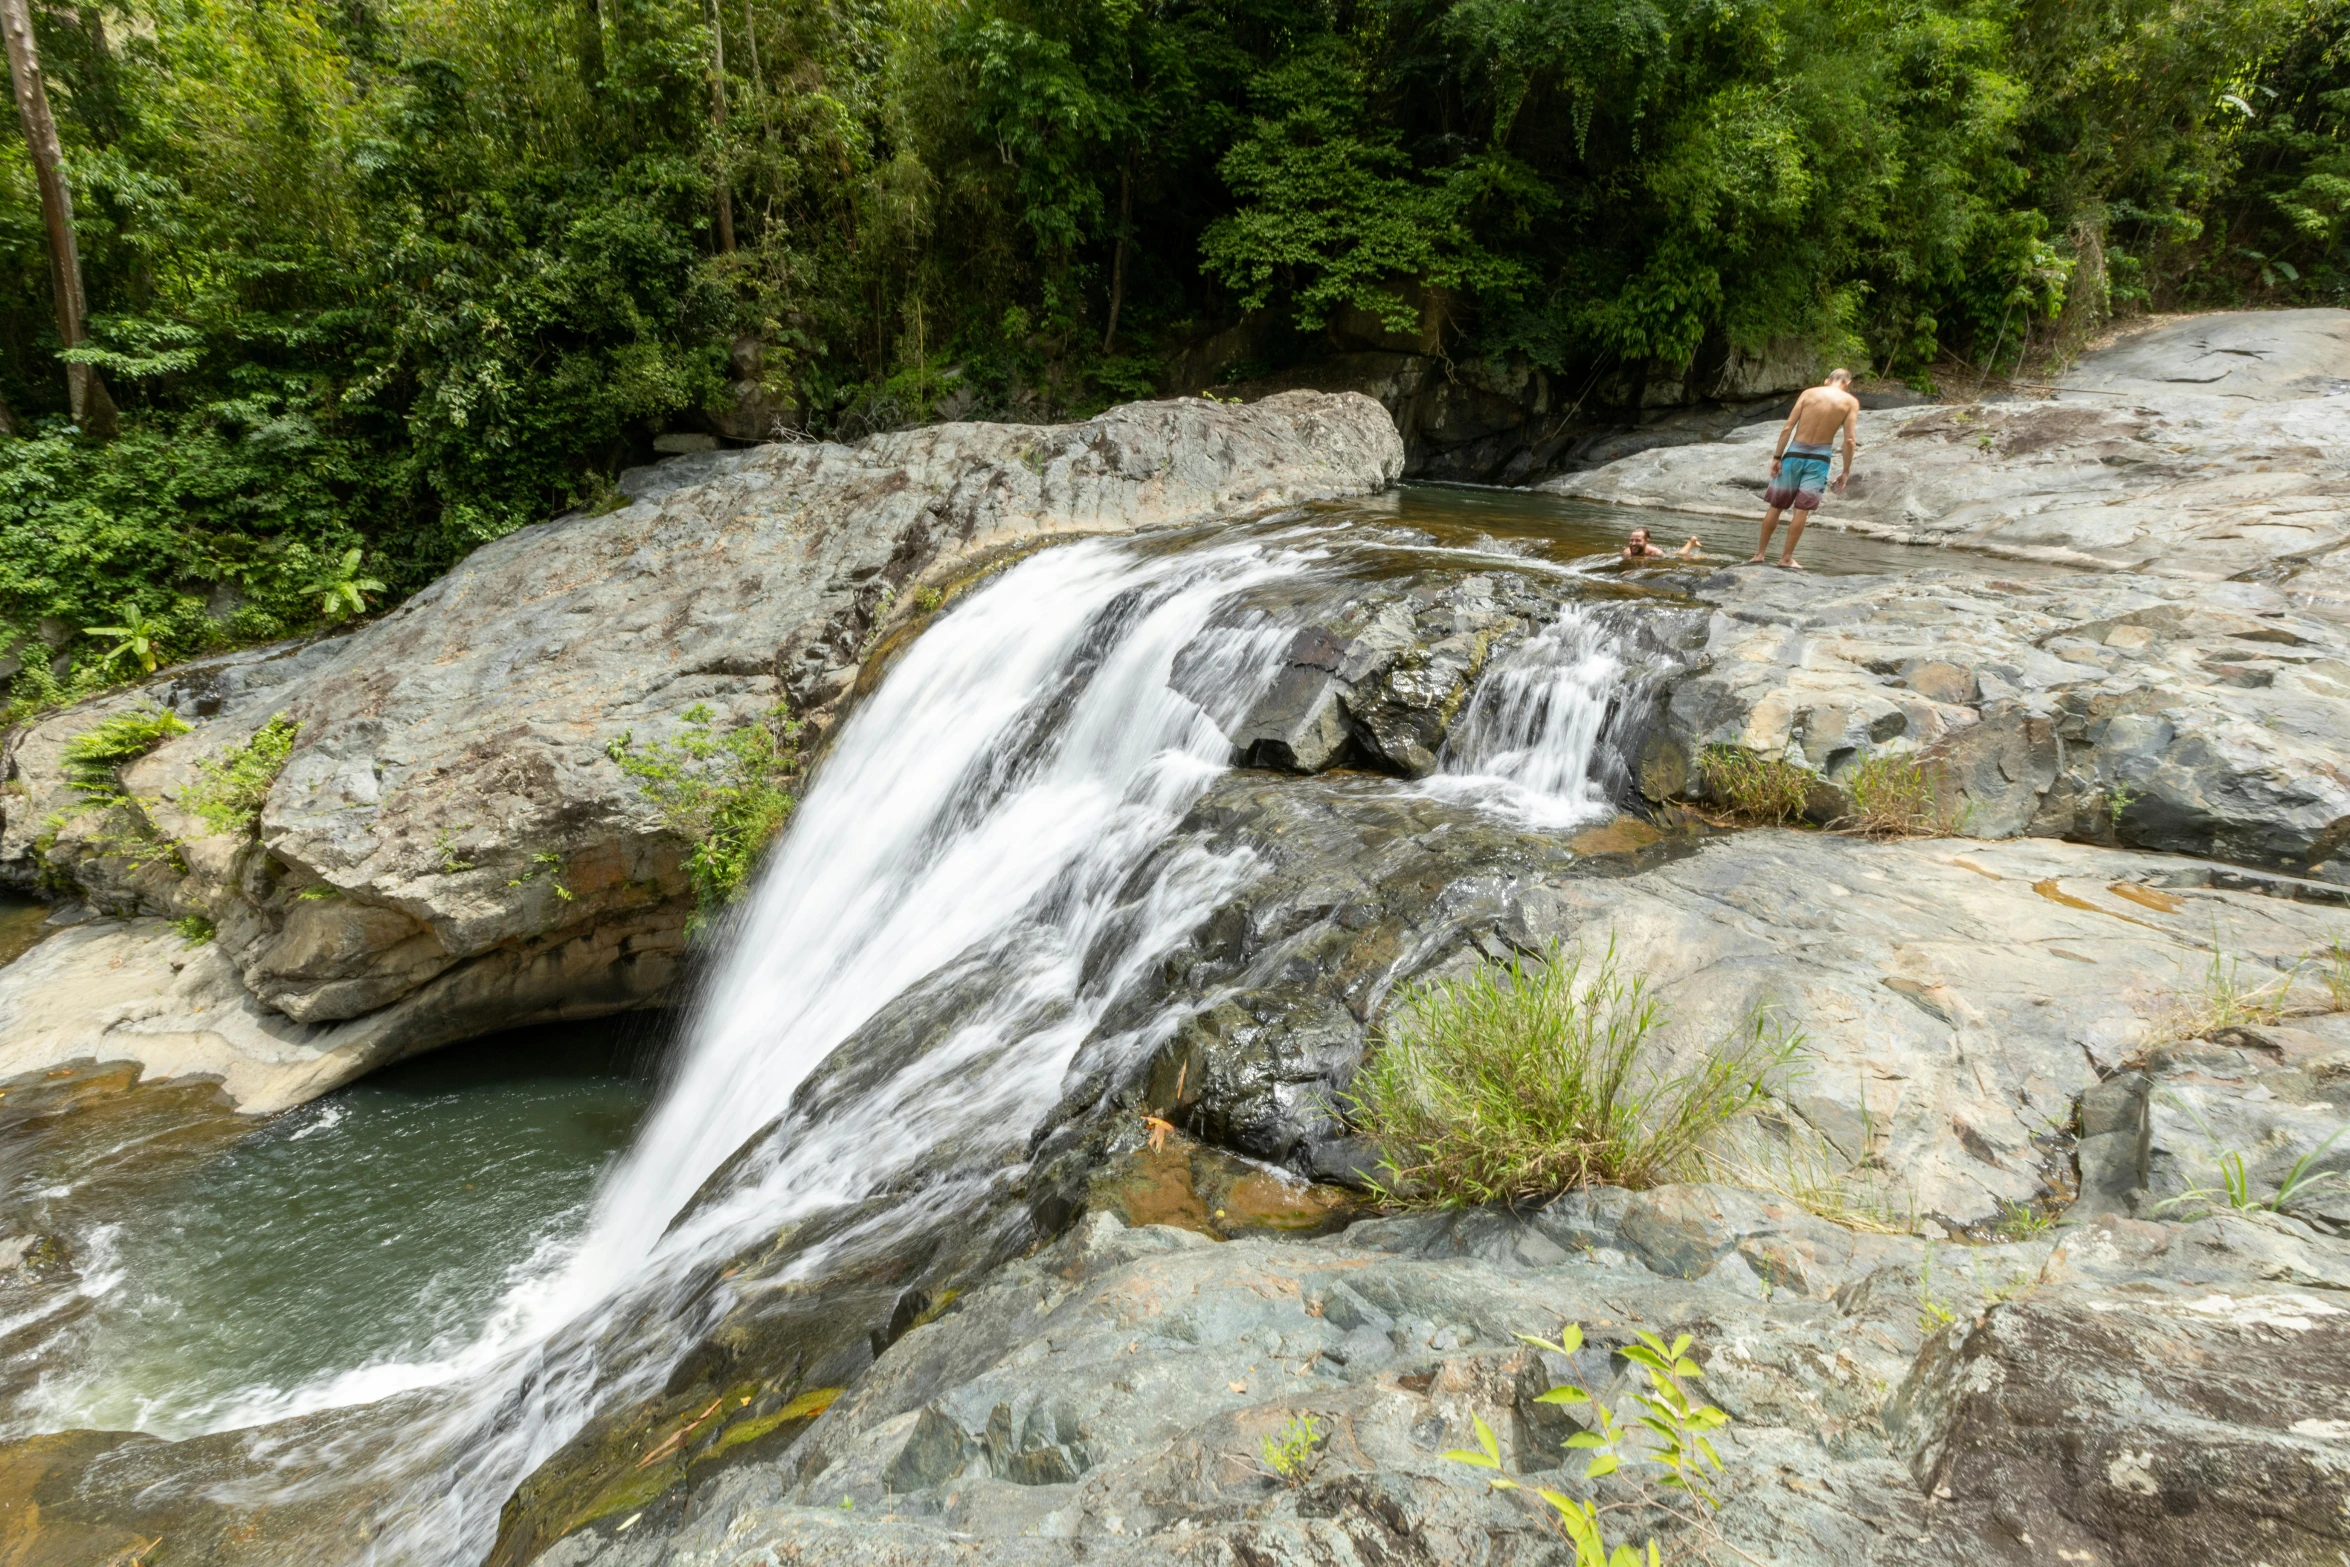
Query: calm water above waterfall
(966, 856)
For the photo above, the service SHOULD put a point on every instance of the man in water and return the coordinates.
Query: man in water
(1637, 547)
(1799, 468)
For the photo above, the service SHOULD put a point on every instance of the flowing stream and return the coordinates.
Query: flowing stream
(973, 836)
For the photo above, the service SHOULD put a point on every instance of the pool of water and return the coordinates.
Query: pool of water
(218, 1271)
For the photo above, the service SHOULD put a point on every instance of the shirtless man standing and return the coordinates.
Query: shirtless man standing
(1799, 468)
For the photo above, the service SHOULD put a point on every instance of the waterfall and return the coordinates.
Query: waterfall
(958, 899)
(980, 814)
(1532, 744)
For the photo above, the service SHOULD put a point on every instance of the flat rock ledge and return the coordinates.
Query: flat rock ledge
(449, 850)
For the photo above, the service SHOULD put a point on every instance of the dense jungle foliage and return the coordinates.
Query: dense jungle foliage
(398, 276)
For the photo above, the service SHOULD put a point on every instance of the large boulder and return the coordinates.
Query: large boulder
(2163, 1396)
(449, 848)
(2197, 718)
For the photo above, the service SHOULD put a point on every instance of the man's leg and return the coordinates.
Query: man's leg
(1762, 551)
(1795, 521)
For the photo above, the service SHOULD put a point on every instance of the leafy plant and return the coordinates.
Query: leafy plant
(341, 591)
(723, 792)
(93, 760)
(1292, 1452)
(1674, 1437)
(139, 637)
(547, 865)
(195, 929)
(1753, 787)
(232, 787)
(1519, 1082)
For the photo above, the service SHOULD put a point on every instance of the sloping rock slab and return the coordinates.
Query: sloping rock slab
(2208, 447)
(449, 802)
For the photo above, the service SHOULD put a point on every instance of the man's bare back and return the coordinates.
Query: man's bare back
(1799, 464)
(1821, 412)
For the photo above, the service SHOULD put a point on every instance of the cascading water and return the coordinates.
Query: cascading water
(983, 811)
(1532, 742)
(957, 899)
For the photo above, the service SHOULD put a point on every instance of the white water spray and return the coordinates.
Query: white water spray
(1530, 745)
(982, 812)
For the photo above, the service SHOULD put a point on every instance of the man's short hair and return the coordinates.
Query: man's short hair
(1839, 374)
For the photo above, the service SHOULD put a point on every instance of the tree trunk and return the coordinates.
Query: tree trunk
(591, 46)
(718, 124)
(1118, 259)
(85, 390)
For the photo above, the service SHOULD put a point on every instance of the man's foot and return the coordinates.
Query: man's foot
(1756, 559)
(1790, 564)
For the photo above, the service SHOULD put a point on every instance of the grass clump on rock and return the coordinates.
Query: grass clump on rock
(1892, 796)
(235, 783)
(1519, 1082)
(1753, 786)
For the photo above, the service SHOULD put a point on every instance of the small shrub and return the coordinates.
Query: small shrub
(1292, 1452)
(1671, 1427)
(94, 759)
(725, 793)
(1892, 796)
(234, 784)
(1755, 788)
(195, 929)
(1520, 1082)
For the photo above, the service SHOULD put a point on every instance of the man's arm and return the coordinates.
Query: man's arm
(1851, 438)
(1787, 430)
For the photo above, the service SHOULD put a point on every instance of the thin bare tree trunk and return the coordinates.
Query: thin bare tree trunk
(85, 390)
(591, 46)
(1118, 260)
(718, 123)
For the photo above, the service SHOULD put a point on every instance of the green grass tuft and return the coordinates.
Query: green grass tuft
(1892, 796)
(1754, 787)
(1517, 1083)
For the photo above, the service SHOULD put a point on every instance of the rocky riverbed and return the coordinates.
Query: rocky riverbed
(1973, 1290)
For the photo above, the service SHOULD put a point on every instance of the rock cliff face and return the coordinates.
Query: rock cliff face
(449, 849)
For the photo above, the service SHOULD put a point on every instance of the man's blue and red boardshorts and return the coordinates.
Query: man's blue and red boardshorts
(1802, 477)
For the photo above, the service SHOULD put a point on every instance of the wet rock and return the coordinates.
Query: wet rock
(1193, 1186)
(1378, 674)
(449, 835)
(1154, 1363)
